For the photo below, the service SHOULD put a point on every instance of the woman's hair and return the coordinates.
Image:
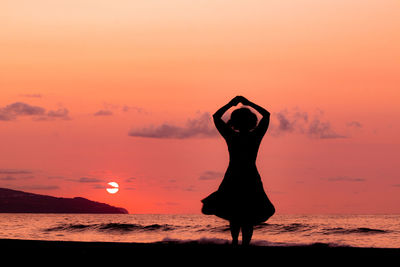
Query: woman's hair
(243, 119)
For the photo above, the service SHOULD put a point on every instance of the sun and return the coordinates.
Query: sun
(113, 189)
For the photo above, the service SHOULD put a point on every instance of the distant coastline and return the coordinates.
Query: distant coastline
(14, 201)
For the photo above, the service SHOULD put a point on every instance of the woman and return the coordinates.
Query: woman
(241, 198)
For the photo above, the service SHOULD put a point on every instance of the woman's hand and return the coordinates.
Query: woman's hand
(235, 101)
(243, 100)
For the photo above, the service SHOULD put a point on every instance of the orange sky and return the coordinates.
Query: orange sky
(81, 80)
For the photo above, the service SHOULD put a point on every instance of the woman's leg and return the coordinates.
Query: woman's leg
(235, 230)
(247, 233)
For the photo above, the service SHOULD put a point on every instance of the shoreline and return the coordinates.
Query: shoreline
(43, 251)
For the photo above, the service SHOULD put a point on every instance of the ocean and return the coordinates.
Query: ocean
(380, 231)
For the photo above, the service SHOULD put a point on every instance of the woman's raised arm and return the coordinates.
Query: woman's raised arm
(221, 126)
(262, 126)
(259, 109)
(234, 101)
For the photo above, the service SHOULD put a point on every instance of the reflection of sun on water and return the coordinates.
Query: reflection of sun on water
(114, 188)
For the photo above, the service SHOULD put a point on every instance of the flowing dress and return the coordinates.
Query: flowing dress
(241, 197)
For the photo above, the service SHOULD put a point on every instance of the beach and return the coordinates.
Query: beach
(56, 252)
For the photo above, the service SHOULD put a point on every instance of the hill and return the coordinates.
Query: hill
(13, 201)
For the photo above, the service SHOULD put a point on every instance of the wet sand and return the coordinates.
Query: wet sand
(57, 253)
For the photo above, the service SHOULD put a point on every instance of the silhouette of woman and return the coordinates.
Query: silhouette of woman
(241, 198)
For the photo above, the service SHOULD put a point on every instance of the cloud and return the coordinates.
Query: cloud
(100, 186)
(129, 188)
(322, 130)
(39, 187)
(299, 122)
(103, 112)
(15, 171)
(32, 95)
(197, 127)
(17, 109)
(211, 175)
(190, 188)
(354, 124)
(130, 180)
(13, 178)
(344, 179)
(61, 113)
(289, 122)
(282, 123)
(5, 117)
(88, 180)
(111, 109)
(8, 178)
(127, 108)
(57, 177)
(15, 174)
(12, 111)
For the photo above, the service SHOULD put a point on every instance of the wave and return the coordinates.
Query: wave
(282, 228)
(360, 230)
(295, 228)
(299, 227)
(121, 227)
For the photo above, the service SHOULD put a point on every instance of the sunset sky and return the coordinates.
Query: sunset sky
(94, 91)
